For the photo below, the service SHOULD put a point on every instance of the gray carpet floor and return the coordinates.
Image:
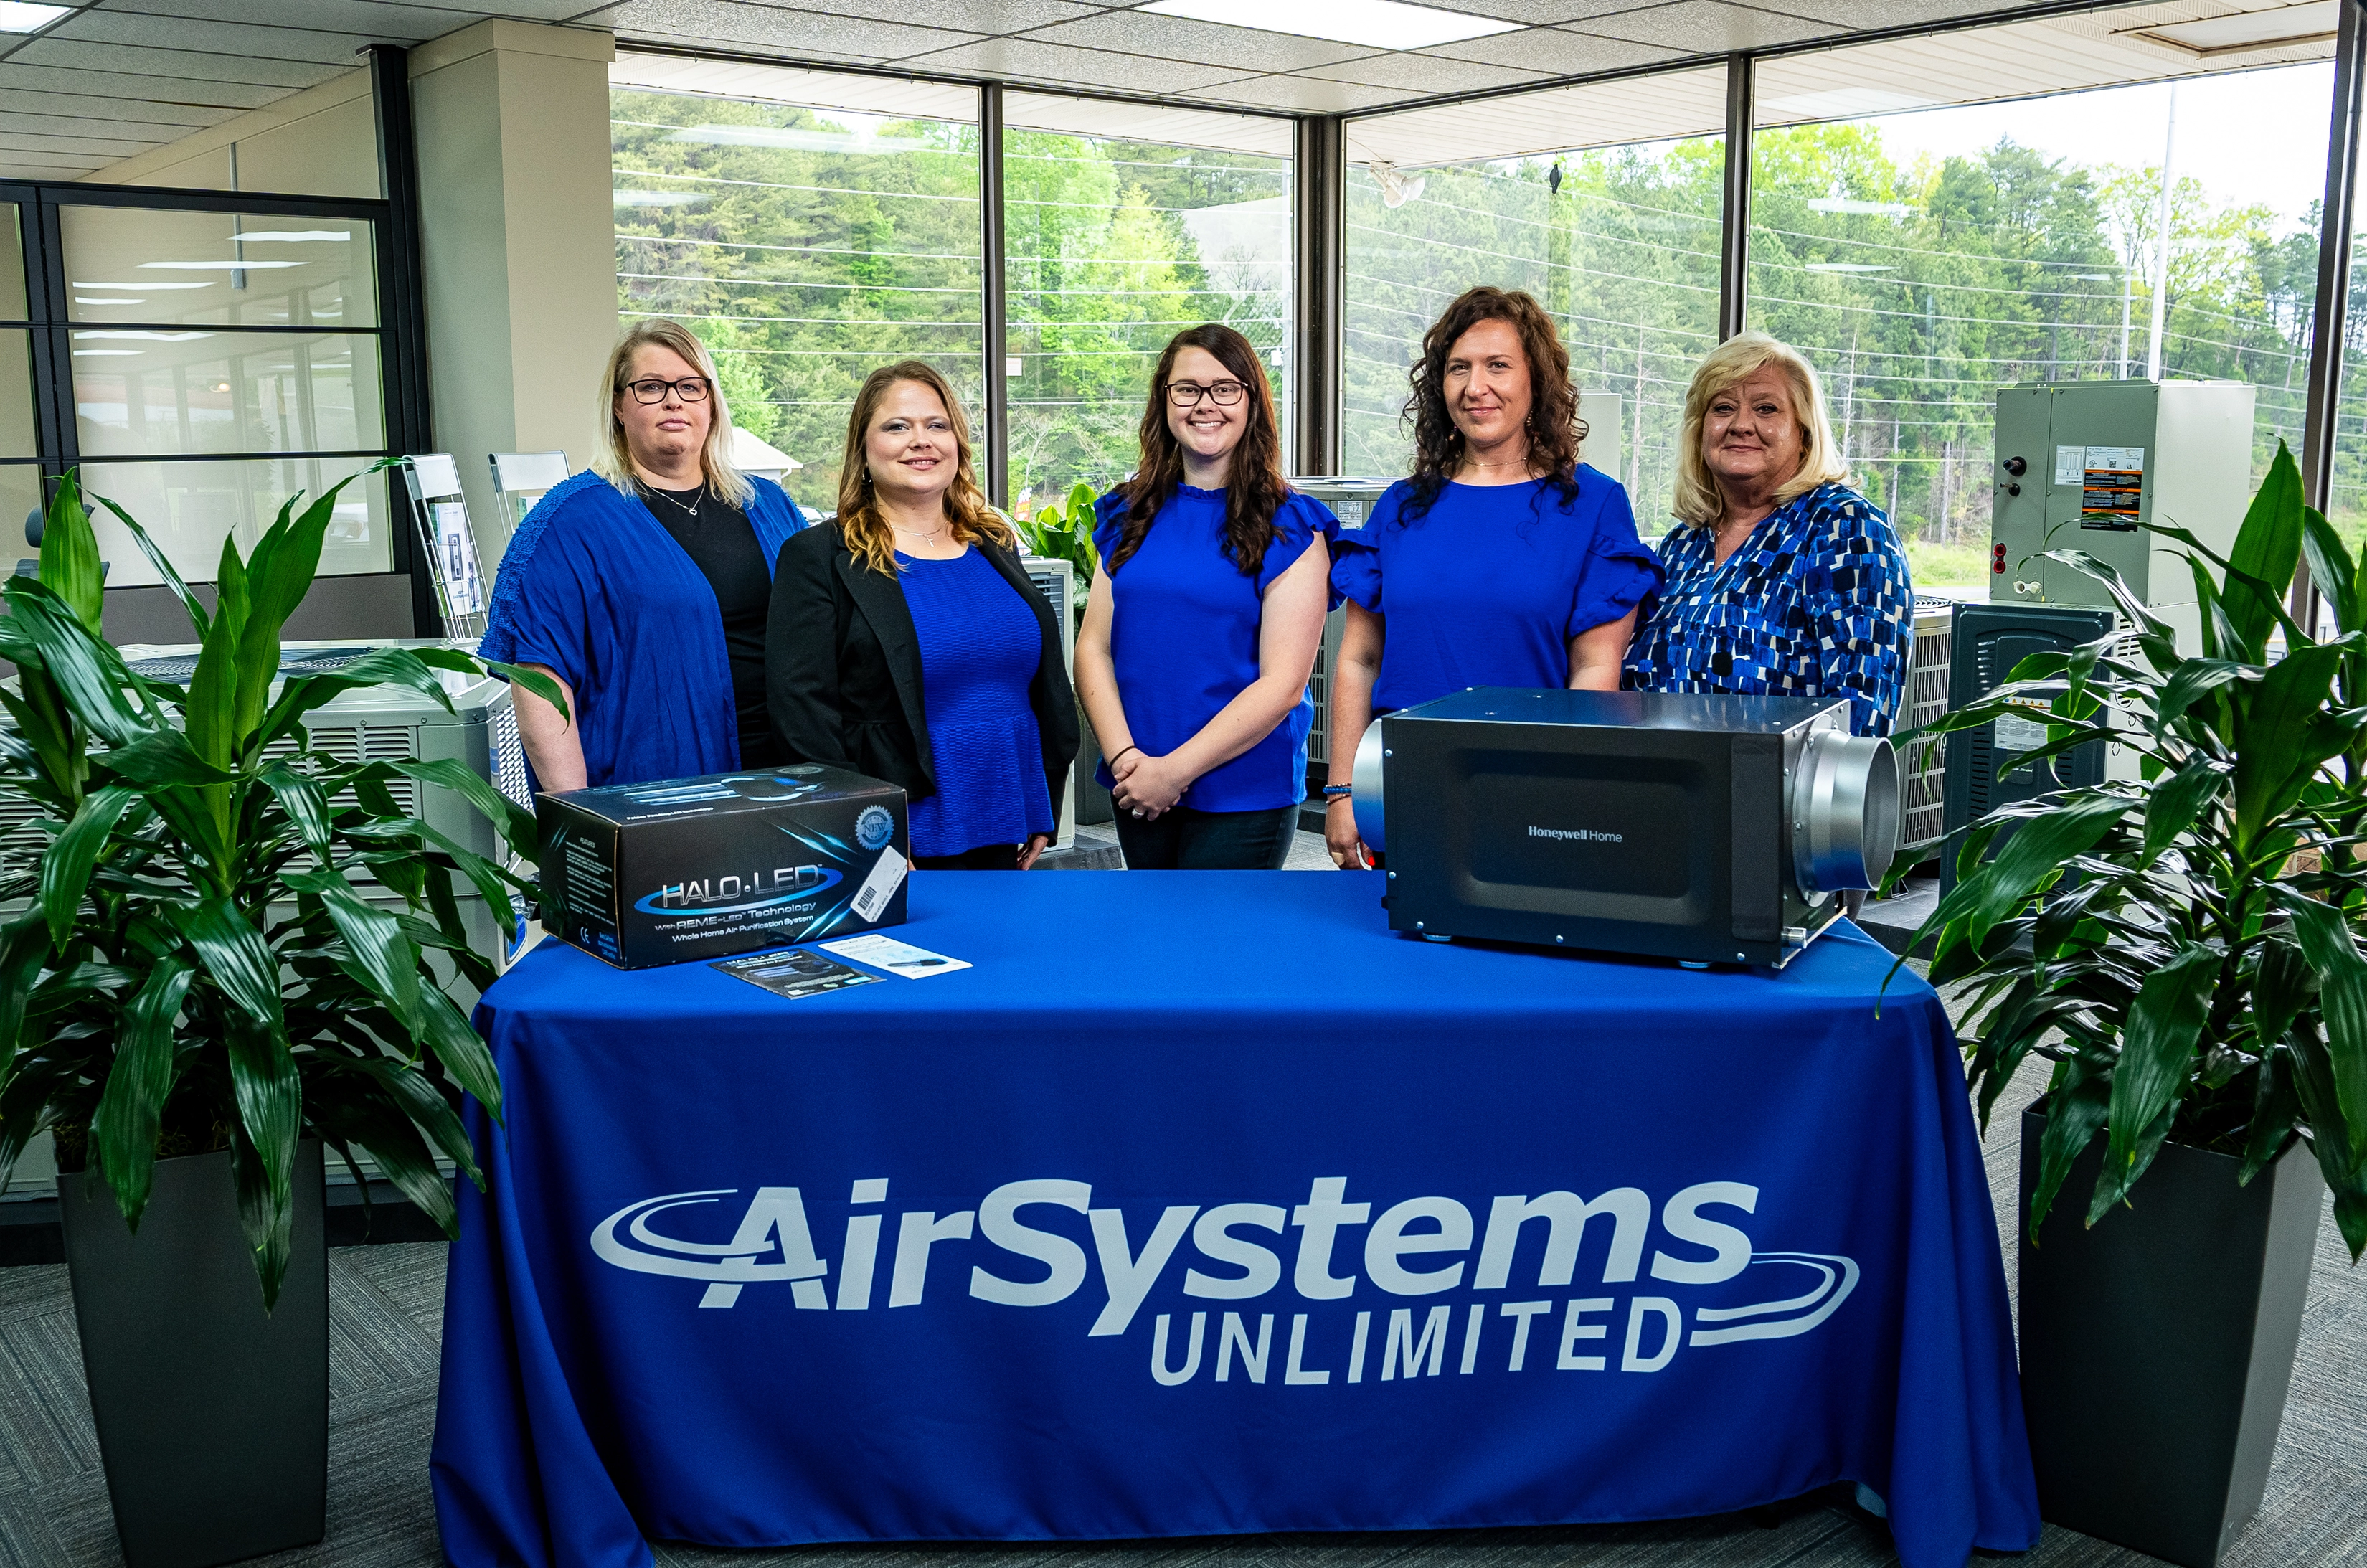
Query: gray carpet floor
(386, 1310)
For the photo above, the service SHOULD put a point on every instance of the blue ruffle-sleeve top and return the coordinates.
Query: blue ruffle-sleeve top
(1488, 587)
(1184, 640)
(1817, 602)
(980, 649)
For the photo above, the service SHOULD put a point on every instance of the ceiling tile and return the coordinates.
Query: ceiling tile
(989, 17)
(362, 18)
(1706, 26)
(1026, 60)
(726, 21)
(1199, 43)
(211, 38)
(1870, 15)
(1539, 12)
(52, 162)
(111, 148)
(1563, 52)
(1425, 74)
(15, 74)
(170, 119)
(1306, 95)
(176, 63)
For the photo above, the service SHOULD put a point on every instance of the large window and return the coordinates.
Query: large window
(1925, 247)
(20, 476)
(1603, 201)
(1125, 225)
(809, 227)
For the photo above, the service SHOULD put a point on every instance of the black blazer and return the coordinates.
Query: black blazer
(843, 667)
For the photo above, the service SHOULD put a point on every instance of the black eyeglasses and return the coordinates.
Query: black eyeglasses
(1187, 394)
(690, 388)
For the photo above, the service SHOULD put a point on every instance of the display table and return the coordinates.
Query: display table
(1203, 1204)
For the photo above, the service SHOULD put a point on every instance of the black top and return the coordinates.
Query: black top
(723, 544)
(846, 683)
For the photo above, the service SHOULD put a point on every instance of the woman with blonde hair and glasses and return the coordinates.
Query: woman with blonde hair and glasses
(906, 642)
(1781, 580)
(641, 585)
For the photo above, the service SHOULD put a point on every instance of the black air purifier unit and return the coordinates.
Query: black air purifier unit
(1989, 639)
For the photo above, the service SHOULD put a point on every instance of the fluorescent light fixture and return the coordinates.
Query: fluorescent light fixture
(1376, 24)
(1848, 267)
(80, 301)
(144, 283)
(806, 141)
(289, 236)
(107, 353)
(15, 17)
(660, 197)
(219, 265)
(149, 336)
(1852, 204)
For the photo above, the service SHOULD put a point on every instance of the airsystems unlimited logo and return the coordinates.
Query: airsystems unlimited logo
(1719, 1288)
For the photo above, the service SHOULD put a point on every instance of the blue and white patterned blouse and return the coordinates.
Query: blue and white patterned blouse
(1816, 602)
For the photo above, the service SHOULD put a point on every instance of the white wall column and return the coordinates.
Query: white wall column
(518, 241)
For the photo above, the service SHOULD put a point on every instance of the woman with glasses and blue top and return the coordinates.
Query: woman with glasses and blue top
(641, 585)
(1204, 618)
(1504, 561)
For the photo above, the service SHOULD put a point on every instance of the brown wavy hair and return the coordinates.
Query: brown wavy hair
(861, 524)
(1254, 488)
(1554, 428)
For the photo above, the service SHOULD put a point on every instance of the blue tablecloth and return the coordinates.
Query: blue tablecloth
(1204, 1204)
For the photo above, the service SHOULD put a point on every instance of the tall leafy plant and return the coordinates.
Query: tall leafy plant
(1065, 532)
(2183, 946)
(225, 941)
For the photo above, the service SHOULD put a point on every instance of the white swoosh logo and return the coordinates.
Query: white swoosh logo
(1836, 1278)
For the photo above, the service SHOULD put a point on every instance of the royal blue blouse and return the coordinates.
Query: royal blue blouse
(1488, 587)
(1816, 602)
(980, 650)
(1184, 640)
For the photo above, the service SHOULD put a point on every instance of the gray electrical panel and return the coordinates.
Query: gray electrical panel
(2086, 465)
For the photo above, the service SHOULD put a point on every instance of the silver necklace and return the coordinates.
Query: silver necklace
(916, 533)
(690, 506)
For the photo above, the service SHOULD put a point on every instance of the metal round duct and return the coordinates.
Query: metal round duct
(1844, 812)
(1372, 822)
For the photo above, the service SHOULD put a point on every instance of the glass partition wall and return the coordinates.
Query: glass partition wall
(198, 359)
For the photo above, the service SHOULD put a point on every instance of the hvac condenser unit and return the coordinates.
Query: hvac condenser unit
(1987, 641)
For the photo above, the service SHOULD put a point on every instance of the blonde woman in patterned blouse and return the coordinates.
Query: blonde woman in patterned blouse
(1781, 580)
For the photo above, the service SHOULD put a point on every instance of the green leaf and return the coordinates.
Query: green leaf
(535, 681)
(2274, 726)
(2034, 855)
(66, 864)
(2076, 1109)
(70, 565)
(89, 674)
(23, 946)
(2176, 801)
(2281, 987)
(2332, 568)
(460, 1050)
(2165, 1024)
(123, 1130)
(163, 757)
(2193, 680)
(418, 1099)
(2326, 943)
(2313, 1078)
(2276, 1107)
(387, 960)
(236, 956)
(266, 1212)
(212, 706)
(512, 821)
(279, 574)
(383, 666)
(2267, 550)
(165, 567)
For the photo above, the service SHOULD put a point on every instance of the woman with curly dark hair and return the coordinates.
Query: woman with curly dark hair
(1206, 614)
(1504, 561)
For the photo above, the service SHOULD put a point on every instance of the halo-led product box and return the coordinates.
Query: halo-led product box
(1695, 826)
(684, 869)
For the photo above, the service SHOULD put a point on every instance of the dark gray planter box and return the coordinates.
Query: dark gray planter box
(213, 1419)
(2157, 1347)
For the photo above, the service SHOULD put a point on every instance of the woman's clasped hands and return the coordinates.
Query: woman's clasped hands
(1147, 785)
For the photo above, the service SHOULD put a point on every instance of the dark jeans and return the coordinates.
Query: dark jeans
(985, 858)
(1187, 840)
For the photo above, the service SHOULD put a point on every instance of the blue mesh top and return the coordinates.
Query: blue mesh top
(1816, 602)
(980, 649)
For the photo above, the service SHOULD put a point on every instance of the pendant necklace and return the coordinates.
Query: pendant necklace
(690, 506)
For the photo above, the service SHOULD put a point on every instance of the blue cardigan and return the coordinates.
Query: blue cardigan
(594, 587)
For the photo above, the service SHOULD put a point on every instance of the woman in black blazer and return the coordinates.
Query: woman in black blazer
(906, 642)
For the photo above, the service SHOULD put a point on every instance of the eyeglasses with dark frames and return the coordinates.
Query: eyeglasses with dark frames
(690, 388)
(1187, 394)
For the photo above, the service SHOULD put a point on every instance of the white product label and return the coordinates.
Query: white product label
(1351, 515)
(2070, 464)
(2019, 734)
(886, 876)
(2115, 460)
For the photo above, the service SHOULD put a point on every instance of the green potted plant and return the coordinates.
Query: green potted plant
(231, 951)
(2181, 948)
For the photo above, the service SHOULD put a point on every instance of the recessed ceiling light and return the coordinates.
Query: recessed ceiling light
(15, 17)
(1378, 24)
(217, 266)
(337, 236)
(144, 283)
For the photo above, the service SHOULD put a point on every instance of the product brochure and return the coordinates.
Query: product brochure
(897, 958)
(794, 973)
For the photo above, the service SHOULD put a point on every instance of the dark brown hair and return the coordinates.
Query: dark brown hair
(860, 524)
(1555, 430)
(1254, 489)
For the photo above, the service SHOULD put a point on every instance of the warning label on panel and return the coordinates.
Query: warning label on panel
(2111, 481)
